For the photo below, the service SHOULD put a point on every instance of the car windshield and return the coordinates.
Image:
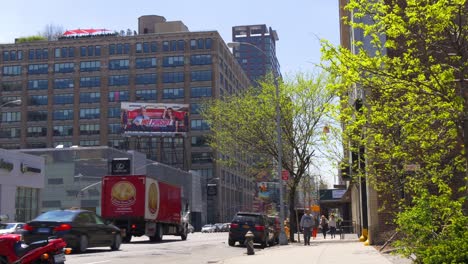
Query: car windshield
(7, 226)
(57, 216)
(246, 218)
(207, 226)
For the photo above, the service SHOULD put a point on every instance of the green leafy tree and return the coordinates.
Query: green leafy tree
(412, 67)
(244, 125)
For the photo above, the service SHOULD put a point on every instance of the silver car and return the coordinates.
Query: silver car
(11, 228)
(208, 229)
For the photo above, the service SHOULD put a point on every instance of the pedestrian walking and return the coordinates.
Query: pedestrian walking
(307, 222)
(332, 226)
(324, 226)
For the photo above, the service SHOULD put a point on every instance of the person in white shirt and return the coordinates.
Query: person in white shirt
(332, 225)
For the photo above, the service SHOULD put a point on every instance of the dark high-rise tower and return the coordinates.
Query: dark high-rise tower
(256, 63)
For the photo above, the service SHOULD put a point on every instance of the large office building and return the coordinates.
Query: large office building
(257, 50)
(72, 88)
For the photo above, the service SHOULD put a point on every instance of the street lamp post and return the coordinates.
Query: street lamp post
(80, 192)
(282, 237)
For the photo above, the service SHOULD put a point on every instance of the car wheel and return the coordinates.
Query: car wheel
(117, 241)
(83, 244)
(231, 242)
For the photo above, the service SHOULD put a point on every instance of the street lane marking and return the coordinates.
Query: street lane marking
(104, 261)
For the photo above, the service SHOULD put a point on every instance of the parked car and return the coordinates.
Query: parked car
(11, 228)
(81, 229)
(257, 223)
(208, 229)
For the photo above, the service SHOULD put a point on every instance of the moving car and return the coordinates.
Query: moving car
(11, 228)
(208, 229)
(257, 223)
(81, 229)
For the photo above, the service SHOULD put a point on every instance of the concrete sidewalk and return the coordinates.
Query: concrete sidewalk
(321, 251)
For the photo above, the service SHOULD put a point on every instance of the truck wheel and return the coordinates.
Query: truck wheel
(159, 233)
(127, 238)
(231, 243)
(184, 234)
(116, 244)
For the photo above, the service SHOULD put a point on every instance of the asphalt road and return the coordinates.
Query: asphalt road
(199, 248)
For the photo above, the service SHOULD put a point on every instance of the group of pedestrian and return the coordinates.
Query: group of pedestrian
(310, 224)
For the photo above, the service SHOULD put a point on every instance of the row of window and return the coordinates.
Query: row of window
(118, 64)
(114, 80)
(85, 129)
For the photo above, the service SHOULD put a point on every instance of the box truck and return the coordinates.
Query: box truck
(140, 205)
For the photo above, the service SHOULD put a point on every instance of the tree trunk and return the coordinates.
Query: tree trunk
(292, 213)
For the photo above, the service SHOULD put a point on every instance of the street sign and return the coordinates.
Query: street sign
(285, 175)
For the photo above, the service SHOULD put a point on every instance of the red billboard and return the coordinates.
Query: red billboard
(154, 119)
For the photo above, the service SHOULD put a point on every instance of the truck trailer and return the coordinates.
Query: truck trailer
(140, 205)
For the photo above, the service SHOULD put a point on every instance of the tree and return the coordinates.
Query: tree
(52, 32)
(244, 125)
(413, 68)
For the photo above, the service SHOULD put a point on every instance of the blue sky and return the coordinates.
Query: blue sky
(299, 23)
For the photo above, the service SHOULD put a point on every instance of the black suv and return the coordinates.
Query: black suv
(257, 223)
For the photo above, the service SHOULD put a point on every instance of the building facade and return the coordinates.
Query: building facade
(260, 60)
(71, 92)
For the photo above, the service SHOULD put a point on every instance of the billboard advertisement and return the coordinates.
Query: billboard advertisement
(154, 119)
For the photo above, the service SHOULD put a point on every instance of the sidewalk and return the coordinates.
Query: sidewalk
(320, 251)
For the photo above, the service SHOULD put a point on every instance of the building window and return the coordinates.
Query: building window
(90, 51)
(173, 61)
(113, 112)
(11, 70)
(173, 93)
(165, 45)
(87, 66)
(38, 84)
(208, 43)
(63, 99)
(199, 124)
(36, 132)
(64, 67)
(87, 143)
(173, 77)
(119, 49)
(199, 141)
(90, 81)
(200, 76)
(12, 86)
(89, 129)
(38, 69)
(115, 128)
(196, 92)
(8, 117)
(145, 95)
(35, 100)
(64, 114)
(118, 96)
(63, 83)
(194, 108)
(118, 80)
(10, 132)
(55, 181)
(26, 204)
(144, 63)
(63, 131)
(201, 59)
(90, 97)
(201, 157)
(37, 116)
(90, 113)
(119, 64)
(150, 78)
